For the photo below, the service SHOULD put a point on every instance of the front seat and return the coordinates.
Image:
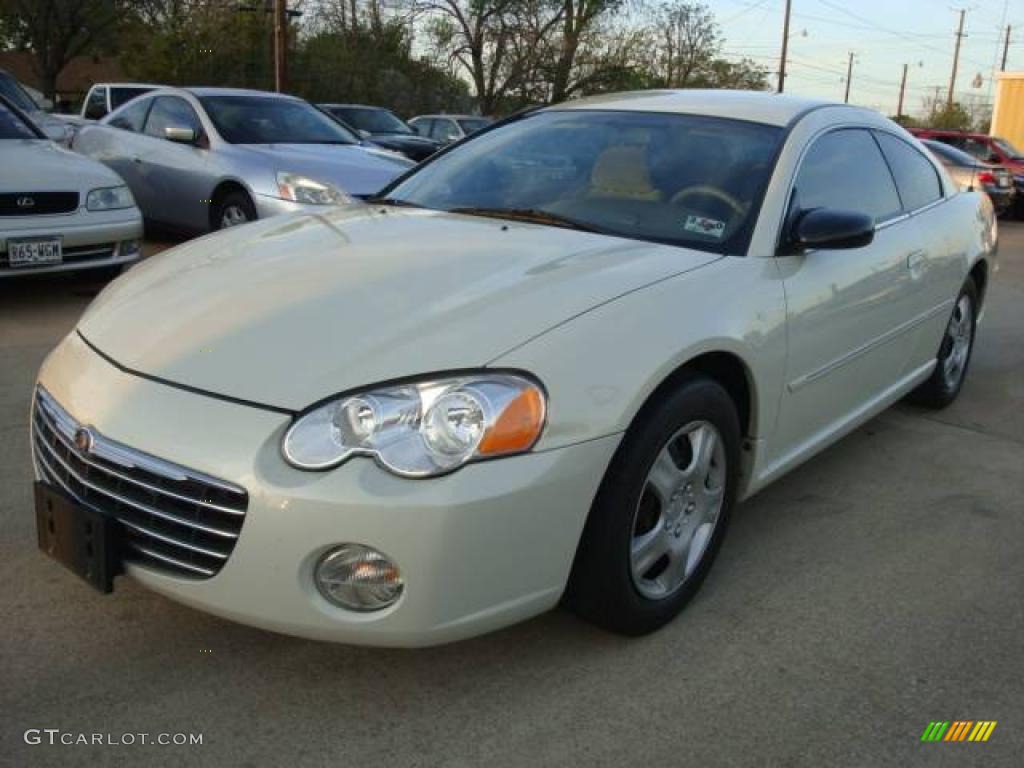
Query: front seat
(622, 172)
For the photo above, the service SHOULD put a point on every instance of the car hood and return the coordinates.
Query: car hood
(356, 169)
(49, 168)
(287, 311)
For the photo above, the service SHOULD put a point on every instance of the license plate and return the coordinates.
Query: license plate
(81, 540)
(1004, 181)
(34, 253)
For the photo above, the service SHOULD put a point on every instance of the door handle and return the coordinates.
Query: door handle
(137, 159)
(915, 260)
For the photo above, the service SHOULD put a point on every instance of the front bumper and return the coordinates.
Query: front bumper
(91, 240)
(478, 549)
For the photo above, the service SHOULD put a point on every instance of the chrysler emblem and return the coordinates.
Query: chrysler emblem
(83, 440)
(25, 201)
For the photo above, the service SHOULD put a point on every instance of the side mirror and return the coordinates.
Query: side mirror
(179, 134)
(832, 229)
(365, 134)
(994, 159)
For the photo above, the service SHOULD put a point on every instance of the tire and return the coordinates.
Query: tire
(618, 581)
(233, 209)
(953, 359)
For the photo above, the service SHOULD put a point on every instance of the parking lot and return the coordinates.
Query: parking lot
(875, 589)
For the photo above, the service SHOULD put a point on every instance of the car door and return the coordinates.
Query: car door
(177, 184)
(933, 263)
(122, 143)
(847, 310)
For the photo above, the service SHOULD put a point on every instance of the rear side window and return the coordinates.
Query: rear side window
(845, 170)
(96, 106)
(916, 179)
(132, 116)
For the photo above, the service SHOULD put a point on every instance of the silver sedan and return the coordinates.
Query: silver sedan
(59, 211)
(201, 159)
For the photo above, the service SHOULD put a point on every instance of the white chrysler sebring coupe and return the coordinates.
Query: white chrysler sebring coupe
(543, 366)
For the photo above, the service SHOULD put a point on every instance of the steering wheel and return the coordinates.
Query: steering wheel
(706, 191)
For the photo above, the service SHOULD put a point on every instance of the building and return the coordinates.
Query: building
(1008, 108)
(74, 80)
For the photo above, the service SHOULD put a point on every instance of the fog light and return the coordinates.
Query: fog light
(128, 246)
(358, 578)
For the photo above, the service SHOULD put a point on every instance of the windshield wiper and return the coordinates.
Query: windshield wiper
(392, 201)
(534, 215)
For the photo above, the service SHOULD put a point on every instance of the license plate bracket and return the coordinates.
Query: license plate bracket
(81, 539)
(34, 251)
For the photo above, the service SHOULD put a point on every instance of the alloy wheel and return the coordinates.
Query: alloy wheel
(678, 510)
(956, 346)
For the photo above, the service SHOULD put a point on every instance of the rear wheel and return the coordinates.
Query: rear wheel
(661, 512)
(943, 386)
(233, 209)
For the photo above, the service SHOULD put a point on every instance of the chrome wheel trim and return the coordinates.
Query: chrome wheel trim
(686, 482)
(957, 342)
(232, 216)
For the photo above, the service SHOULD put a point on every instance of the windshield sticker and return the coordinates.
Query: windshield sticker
(705, 226)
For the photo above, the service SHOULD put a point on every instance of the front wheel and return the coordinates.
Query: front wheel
(233, 209)
(943, 386)
(661, 512)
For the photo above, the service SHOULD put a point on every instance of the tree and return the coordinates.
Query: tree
(947, 116)
(56, 31)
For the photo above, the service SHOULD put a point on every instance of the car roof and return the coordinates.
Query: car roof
(754, 106)
(150, 86)
(199, 92)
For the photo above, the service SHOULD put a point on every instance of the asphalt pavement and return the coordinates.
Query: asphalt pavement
(875, 589)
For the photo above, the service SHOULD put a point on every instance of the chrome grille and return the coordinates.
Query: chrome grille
(174, 519)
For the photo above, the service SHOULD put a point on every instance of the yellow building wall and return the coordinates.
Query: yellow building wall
(1008, 109)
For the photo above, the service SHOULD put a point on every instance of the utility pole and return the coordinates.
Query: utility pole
(956, 58)
(280, 45)
(903, 90)
(785, 47)
(849, 74)
(1006, 48)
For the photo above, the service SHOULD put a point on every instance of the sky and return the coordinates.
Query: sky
(883, 35)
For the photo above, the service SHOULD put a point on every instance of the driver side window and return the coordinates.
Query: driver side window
(844, 170)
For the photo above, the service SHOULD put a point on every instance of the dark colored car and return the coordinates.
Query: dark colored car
(988, 149)
(383, 128)
(971, 173)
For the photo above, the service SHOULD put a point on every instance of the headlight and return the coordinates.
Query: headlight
(109, 199)
(301, 189)
(422, 429)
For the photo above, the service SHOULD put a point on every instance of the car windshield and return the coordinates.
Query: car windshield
(473, 124)
(119, 96)
(951, 155)
(272, 120)
(1008, 149)
(678, 179)
(13, 127)
(371, 120)
(12, 89)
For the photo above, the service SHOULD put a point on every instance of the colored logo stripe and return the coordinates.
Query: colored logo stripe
(982, 730)
(958, 730)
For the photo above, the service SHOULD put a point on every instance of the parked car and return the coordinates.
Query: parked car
(988, 149)
(970, 173)
(54, 127)
(384, 128)
(199, 159)
(59, 211)
(448, 128)
(542, 367)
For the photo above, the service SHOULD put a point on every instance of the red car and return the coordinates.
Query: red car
(988, 149)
